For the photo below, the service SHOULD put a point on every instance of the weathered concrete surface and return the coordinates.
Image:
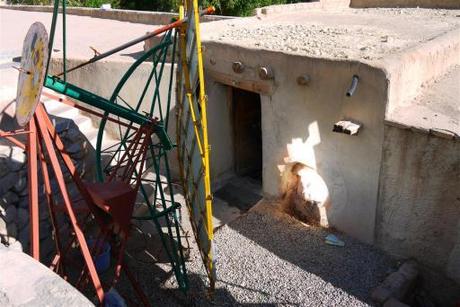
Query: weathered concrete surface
(418, 214)
(409, 71)
(440, 4)
(436, 110)
(357, 34)
(26, 282)
(297, 7)
(301, 118)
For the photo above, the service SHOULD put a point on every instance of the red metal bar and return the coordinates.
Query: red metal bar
(32, 170)
(9, 136)
(51, 206)
(45, 133)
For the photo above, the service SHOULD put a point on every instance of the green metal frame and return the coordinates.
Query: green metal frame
(158, 151)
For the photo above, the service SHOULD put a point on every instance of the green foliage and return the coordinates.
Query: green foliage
(151, 5)
(115, 4)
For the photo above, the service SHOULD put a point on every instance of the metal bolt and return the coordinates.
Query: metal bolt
(212, 61)
(265, 73)
(238, 67)
(303, 80)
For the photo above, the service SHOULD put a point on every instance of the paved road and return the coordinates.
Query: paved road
(82, 32)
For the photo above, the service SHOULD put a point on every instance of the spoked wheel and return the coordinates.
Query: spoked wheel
(151, 171)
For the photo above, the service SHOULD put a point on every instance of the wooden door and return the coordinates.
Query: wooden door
(247, 133)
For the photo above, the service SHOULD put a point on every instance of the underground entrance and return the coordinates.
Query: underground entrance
(244, 189)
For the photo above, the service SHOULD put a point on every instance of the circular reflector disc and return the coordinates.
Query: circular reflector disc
(32, 74)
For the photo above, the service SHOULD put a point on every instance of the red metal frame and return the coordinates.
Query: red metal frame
(112, 211)
(32, 171)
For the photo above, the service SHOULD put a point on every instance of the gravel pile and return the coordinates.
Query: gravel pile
(268, 258)
(319, 40)
(368, 34)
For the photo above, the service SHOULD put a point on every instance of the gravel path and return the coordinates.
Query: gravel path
(267, 258)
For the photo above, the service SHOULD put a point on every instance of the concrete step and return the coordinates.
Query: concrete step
(106, 141)
(62, 110)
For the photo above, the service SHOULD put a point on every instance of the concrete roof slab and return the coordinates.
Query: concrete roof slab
(357, 34)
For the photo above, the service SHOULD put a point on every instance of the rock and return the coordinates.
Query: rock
(74, 148)
(4, 169)
(7, 182)
(47, 247)
(10, 198)
(45, 230)
(3, 228)
(10, 214)
(22, 218)
(21, 183)
(12, 230)
(24, 202)
(24, 237)
(392, 302)
(397, 285)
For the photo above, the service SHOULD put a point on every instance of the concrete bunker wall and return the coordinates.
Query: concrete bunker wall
(297, 125)
(418, 213)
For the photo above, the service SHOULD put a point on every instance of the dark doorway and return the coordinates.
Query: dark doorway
(247, 133)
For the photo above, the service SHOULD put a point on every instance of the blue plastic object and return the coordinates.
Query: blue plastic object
(113, 299)
(102, 260)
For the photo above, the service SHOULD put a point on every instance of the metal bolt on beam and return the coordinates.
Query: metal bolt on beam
(238, 67)
(265, 73)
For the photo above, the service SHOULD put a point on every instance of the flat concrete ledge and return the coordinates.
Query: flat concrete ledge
(411, 69)
(26, 282)
(146, 17)
(435, 111)
(433, 4)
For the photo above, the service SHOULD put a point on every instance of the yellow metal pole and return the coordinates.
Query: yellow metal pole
(204, 123)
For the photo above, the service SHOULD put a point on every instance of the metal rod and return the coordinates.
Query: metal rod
(87, 110)
(64, 40)
(32, 170)
(80, 94)
(135, 41)
(51, 207)
(9, 135)
(94, 100)
(353, 86)
(53, 158)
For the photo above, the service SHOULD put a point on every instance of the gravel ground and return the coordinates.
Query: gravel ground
(343, 34)
(267, 258)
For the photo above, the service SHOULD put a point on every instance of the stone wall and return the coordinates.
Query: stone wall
(14, 201)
